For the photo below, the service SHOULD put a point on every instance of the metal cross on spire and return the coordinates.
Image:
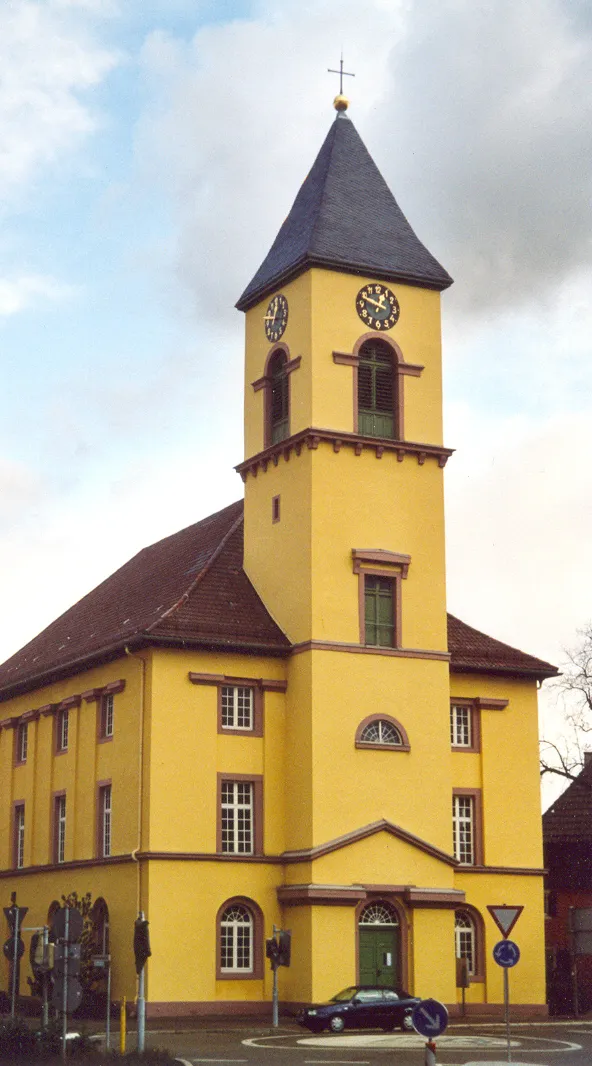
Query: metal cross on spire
(342, 74)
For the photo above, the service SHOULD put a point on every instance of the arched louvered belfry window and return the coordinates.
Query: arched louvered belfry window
(279, 398)
(377, 386)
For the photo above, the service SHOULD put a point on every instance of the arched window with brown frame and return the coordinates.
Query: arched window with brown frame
(278, 398)
(469, 941)
(100, 926)
(377, 391)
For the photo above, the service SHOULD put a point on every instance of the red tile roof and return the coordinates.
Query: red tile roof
(569, 818)
(474, 652)
(190, 590)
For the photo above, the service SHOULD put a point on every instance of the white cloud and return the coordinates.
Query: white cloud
(18, 294)
(48, 60)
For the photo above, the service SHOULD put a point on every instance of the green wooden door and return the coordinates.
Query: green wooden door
(379, 955)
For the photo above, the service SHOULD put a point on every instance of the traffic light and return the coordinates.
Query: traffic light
(284, 947)
(141, 943)
(272, 950)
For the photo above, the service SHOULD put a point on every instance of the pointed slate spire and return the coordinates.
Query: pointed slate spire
(345, 218)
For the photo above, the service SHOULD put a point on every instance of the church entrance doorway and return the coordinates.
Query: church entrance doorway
(379, 945)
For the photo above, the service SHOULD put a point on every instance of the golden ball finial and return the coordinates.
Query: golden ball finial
(341, 103)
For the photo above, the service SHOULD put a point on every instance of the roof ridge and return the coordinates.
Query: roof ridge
(202, 573)
(333, 135)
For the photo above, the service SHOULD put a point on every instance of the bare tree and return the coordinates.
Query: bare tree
(566, 756)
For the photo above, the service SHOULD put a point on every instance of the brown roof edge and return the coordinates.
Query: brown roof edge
(135, 643)
(458, 667)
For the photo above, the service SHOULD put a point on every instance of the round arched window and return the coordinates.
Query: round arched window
(380, 731)
(236, 939)
(465, 939)
(379, 913)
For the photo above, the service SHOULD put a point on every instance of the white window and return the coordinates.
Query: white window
(237, 817)
(60, 828)
(105, 823)
(463, 828)
(237, 707)
(461, 727)
(107, 715)
(380, 731)
(464, 939)
(19, 836)
(22, 742)
(236, 940)
(63, 725)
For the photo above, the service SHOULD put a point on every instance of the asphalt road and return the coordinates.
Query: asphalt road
(244, 1044)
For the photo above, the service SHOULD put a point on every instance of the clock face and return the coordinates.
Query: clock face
(276, 317)
(377, 306)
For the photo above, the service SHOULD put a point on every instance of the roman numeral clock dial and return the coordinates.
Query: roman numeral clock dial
(276, 317)
(377, 306)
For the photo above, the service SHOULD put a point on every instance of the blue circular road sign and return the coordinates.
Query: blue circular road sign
(430, 1017)
(506, 953)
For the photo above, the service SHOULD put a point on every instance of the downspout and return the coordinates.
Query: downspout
(140, 659)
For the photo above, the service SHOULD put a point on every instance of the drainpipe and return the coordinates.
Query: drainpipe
(142, 662)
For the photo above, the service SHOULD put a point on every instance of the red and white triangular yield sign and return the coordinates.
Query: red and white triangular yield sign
(505, 917)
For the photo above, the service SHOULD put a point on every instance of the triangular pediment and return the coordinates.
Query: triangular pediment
(362, 833)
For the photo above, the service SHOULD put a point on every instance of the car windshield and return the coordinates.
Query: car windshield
(346, 993)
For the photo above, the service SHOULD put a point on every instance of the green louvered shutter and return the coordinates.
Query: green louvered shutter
(379, 614)
(376, 416)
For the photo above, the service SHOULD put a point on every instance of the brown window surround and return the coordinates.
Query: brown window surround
(21, 743)
(18, 820)
(475, 793)
(404, 746)
(99, 695)
(54, 834)
(275, 508)
(479, 927)
(381, 563)
(258, 685)
(401, 369)
(265, 383)
(256, 974)
(256, 780)
(102, 794)
(62, 713)
(475, 725)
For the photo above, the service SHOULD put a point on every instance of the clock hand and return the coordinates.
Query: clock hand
(375, 302)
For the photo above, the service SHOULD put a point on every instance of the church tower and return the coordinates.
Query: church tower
(343, 469)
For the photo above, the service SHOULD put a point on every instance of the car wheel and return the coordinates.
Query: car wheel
(407, 1024)
(337, 1024)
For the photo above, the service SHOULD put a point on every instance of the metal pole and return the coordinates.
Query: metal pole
(430, 1053)
(14, 960)
(108, 1018)
(275, 997)
(65, 979)
(122, 1026)
(45, 1015)
(141, 1002)
(507, 1011)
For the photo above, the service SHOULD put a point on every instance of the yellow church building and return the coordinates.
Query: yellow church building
(269, 718)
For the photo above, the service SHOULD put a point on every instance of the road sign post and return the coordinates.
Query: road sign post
(506, 953)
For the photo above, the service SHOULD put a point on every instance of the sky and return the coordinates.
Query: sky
(149, 151)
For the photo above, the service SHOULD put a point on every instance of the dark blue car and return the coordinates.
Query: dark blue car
(361, 1007)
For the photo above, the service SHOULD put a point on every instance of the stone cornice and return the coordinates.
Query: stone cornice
(311, 438)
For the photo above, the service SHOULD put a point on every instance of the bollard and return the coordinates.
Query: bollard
(122, 1026)
(430, 1053)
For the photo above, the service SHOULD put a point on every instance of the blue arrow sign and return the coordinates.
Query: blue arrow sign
(506, 953)
(430, 1017)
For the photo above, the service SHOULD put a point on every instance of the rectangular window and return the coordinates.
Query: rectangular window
(379, 621)
(18, 860)
(237, 707)
(63, 723)
(463, 828)
(105, 821)
(461, 731)
(237, 817)
(22, 742)
(59, 840)
(107, 716)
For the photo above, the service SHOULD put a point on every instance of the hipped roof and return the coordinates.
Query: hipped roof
(190, 590)
(569, 818)
(345, 218)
